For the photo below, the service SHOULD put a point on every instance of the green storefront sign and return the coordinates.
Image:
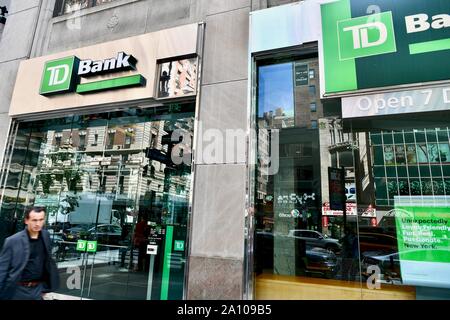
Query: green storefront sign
(423, 233)
(423, 238)
(59, 76)
(64, 75)
(374, 43)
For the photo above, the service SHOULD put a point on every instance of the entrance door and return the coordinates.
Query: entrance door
(116, 188)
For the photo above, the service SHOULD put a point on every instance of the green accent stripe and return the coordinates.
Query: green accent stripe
(166, 264)
(429, 46)
(339, 75)
(122, 82)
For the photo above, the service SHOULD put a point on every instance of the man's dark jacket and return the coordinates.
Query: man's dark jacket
(14, 258)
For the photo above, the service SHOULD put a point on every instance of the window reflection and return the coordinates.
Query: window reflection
(177, 78)
(99, 176)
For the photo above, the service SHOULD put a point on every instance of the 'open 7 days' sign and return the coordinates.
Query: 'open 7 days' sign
(380, 43)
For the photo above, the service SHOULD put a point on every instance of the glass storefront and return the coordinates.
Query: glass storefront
(120, 181)
(391, 241)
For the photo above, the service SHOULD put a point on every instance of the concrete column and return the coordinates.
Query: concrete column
(15, 46)
(216, 268)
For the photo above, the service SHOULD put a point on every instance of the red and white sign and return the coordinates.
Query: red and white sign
(351, 210)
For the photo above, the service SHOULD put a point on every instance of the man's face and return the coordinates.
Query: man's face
(35, 221)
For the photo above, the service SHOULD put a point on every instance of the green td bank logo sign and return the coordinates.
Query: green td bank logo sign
(366, 36)
(378, 43)
(64, 75)
(59, 76)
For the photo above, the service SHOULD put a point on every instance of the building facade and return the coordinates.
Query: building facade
(204, 150)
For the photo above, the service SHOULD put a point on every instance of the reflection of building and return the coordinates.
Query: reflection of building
(178, 78)
(109, 160)
(278, 119)
(410, 163)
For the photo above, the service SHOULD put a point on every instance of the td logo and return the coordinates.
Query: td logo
(366, 36)
(59, 76)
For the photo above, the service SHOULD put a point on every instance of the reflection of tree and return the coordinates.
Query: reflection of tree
(46, 181)
(72, 179)
(415, 188)
(68, 204)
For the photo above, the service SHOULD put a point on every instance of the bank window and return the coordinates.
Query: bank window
(313, 107)
(397, 173)
(102, 196)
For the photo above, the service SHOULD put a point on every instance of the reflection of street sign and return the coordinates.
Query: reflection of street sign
(179, 245)
(152, 250)
(92, 246)
(336, 183)
(301, 74)
(81, 245)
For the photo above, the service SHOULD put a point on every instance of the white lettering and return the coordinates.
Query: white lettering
(417, 23)
(368, 106)
(97, 67)
(441, 21)
(380, 104)
(446, 94)
(54, 74)
(74, 280)
(407, 101)
(109, 64)
(393, 102)
(373, 282)
(84, 67)
(361, 34)
(122, 60)
(429, 93)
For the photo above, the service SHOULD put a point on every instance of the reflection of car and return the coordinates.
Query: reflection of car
(389, 264)
(76, 233)
(316, 239)
(106, 234)
(310, 259)
(103, 233)
(321, 260)
(376, 241)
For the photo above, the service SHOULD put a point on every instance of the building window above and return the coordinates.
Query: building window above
(68, 6)
(3, 12)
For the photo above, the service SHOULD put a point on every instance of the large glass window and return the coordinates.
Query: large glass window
(113, 178)
(391, 241)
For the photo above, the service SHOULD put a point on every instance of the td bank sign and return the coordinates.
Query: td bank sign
(398, 42)
(64, 75)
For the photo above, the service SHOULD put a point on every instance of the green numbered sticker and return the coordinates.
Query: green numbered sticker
(81, 245)
(179, 245)
(92, 246)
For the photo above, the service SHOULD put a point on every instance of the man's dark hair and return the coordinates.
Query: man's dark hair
(35, 209)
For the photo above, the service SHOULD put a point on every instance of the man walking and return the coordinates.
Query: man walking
(27, 269)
